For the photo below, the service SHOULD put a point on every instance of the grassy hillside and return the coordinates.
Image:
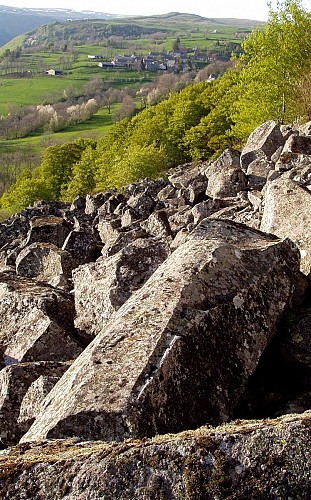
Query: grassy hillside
(15, 21)
(65, 45)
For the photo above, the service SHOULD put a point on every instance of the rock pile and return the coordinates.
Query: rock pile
(170, 305)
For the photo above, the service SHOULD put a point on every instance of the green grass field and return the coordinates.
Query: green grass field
(43, 88)
(37, 141)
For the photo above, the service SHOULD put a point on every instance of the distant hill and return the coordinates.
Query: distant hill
(181, 17)
(51, 25)
(15, 21)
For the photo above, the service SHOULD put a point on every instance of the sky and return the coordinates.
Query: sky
(242, 9)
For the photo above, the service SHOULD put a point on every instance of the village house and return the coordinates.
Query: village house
(54, 72)
(105, 64)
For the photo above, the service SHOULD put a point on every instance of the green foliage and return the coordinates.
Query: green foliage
(24, 193)
(57, 163)
(190, 124)
(272, 66)
(137, 163)
(83, 176)
(47, 181)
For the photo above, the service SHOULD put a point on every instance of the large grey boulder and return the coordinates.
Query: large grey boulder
(179, 352)
(191, 182)
(32, 401)
(103, 286)
(45, 262)
(257, 173)
(15, 381)
(244, 460)
(48, 229)
(262, 143)
(287, 214)
(81, 244)
(36, 321)
(225, 177)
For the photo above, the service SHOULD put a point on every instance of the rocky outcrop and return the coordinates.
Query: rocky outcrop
(225, 177)
(162, 308)
(287, 212)
(246, 459)
(164, 362)
(45, 262)
(36, 322)
(262, 143)
(103, 286)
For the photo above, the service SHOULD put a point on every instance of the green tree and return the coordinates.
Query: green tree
(83, 180)
(57, 164)
(274, 61)
(138, 163)
(24, 192)
(213, 133)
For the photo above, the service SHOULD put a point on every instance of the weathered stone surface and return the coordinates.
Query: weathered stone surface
(243, 460)
(287, 214)
(180, 350)
(31, 404)
(255, 198)
(295, 344)
(206, 208)
(166, 193)
(45, 262)
(121, 237)
(225, 177)
(111, 204)
(78, 203)
(14, 383)
(129, 216)
(37, 322)
(281, 382)
(187, 175)
(143, 204)
(157, 224)
(92, 203)
(150, 187)
(81, 245)
(262, 143)
(48, 229)
(297, 144)
(257, 173)
(305, 128)
(103, 286)
(180, 218)
(18, 225)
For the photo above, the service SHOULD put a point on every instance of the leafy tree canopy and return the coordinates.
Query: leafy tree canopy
(274, 61)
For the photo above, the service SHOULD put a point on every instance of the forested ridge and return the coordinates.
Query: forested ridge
(270, 80)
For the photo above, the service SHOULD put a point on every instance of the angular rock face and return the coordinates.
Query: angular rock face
(103, 286)
(45, 262)
(47, 229)
(36, 322)
(182, 314)
(262, 143)
(258, 460)
(287, 214)
(257, 173)
(180, 350)
(225, 177)
(14, 383)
